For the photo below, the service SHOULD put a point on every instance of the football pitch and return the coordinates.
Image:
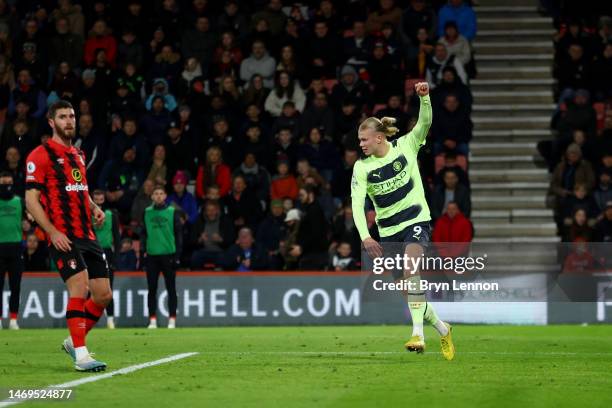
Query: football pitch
(333, 366)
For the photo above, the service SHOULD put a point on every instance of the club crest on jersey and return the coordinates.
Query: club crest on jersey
(72, 264)
(397, 166)
(76, 175)
(31, 167)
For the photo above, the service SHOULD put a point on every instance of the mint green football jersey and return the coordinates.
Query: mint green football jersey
(393, 182)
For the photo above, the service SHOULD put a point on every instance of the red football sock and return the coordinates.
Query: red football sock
(93, 312)
(75, 317)
(13, 315)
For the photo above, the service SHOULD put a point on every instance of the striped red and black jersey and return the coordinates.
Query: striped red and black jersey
(59, 173)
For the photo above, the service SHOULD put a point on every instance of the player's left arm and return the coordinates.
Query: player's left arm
(416, 138)
(97, 212)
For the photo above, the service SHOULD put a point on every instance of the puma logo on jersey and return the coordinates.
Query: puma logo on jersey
(376, 174)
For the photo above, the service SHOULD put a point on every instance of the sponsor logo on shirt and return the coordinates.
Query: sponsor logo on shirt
(77, 187)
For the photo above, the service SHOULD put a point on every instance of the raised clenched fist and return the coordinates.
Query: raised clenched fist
(421, 88)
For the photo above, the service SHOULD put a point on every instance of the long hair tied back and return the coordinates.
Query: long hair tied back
(383, 125)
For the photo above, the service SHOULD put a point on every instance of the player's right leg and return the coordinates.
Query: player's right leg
(152, 278)
(73, 271)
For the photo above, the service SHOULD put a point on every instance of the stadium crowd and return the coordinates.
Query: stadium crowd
(247, 111)
(580, 155)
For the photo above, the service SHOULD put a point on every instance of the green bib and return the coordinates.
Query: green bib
(160, 231)
(10, 220)
(104, 232)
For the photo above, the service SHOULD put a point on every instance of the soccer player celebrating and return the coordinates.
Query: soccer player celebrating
(162, 240)
(110, 241)
(390, 176)
(57, 197)
(11, 254)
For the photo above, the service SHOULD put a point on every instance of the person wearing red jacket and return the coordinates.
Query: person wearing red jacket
(99, 38)
(284, 184)
(453, 227)
(213, 171)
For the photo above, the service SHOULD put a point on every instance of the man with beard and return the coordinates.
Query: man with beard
(57, 197)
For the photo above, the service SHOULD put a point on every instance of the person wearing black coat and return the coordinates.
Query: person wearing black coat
(211, 234)
(245, 255)
(450, 191)
(312, 241)
(452, 129)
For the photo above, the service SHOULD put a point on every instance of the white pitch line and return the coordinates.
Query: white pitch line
(125, 370)
(365, 353)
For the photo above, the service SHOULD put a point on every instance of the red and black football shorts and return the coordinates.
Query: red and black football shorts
(84, 254)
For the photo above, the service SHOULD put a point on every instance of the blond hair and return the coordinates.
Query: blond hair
(383, 125)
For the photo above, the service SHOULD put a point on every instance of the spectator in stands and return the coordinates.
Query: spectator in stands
(322, 50)
(180, 150)
(242, 204)
(579, 227)
(306, 171)
(571, 171)
(346, 124)
(450, 191)
(453, 129)
(158, 172)
(312, 243)
(358, 46)
(72, 12)
(418, 53)
(452, 226)
(319, 115)
(285, 89)
(211, 234)
(388, 12)
(343, 260)
(245, 255)
(259, 62)
(580, 259)
(580, 199)
(154, 124)
(27, 89)
(93, 144)
(341, 180)
(440, 60)
(256, 176)
(14, 165)
(166, 65)
(160, 89)
(199, 42)
(257, 144)
(599, 75)
(127, 259)
(603, 228)
(65, 46)
(183, 199)
(343, 229)
(462, 14)
(273, 15)
(129, 136)
(451, 85)
(35, 256)
(285, 147)
(121, 179)
(255, 93)
(385, 75)
(213, 171)
(223, 138)
(456, 44)
(579, 115)
(351, 86)
(416, 17)
(191, 72)
(19, 136)
(100, 38)
(284, 183)
(571, 72)
(289, 119)
(320, 153)
(286, 245)
(130, 51)
(603, 193)
(271, 231)
(451, 161)
(140, 203)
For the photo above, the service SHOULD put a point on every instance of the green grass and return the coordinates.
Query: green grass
(496, 366)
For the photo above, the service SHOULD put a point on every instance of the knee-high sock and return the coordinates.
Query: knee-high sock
(93, 311)
(75, 318)
(432, 317)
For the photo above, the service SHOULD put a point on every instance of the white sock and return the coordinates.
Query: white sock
(110, 319)
(441, 327)
(81, 352)
(417, 329)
